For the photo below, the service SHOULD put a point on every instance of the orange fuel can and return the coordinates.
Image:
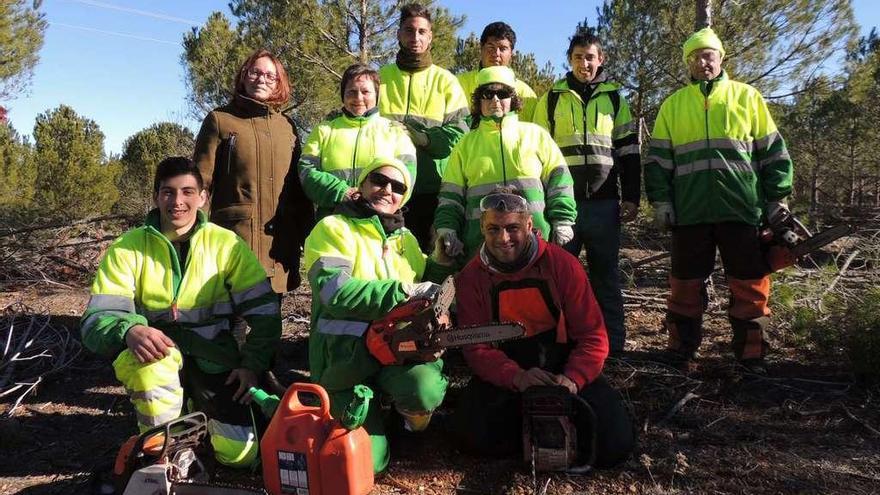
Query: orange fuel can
(307, 452)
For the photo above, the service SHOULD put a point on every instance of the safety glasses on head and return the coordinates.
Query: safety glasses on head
(382, 180)
(508, 202)
(501, 93)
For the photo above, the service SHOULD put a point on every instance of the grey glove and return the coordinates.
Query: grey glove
(418, 136)
(774, 209)
(421, 290)
(664, 215)
(448, 241)
(562, 234)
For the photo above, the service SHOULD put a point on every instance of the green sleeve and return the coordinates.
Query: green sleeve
(111, 310)
(254, 299)
(660, 163)
(330, 259)
(323, 188)
(776, 169)
(450, 212)
(559, 206)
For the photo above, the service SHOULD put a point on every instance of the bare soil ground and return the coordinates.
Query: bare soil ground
(806, 427)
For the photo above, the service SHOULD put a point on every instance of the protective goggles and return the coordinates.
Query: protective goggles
(381, 180)
(501, 93)
(512, 203)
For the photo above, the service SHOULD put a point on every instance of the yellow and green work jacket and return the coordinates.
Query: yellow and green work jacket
(504, 152)
(430, 100)
(599, 145)
(716, 154)
(337, 149)
(468, 81)
(140, 282)
(357, 273)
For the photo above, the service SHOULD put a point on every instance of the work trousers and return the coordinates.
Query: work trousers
(598, 230)
(693, 259)
(488, 419)
(157, 392)
(415, 389)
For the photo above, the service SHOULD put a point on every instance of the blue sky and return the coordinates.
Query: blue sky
(118, 61)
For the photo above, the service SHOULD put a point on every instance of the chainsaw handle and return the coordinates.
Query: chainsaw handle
(291, 402)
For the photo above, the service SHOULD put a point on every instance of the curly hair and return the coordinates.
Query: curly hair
(515, 105)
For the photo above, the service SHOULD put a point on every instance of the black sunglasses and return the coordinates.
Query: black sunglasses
(501, 93)
(381, 180)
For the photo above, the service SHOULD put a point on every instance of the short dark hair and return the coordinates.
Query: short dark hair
(355, 71)
(414, 10)
(498, 30)
(583, 37)
(174, 166)
(516, 105)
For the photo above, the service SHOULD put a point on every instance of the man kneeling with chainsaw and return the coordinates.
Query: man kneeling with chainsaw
(549, 384)
(362, 263)
(161, 303)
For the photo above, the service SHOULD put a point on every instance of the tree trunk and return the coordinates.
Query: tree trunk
(704, 15)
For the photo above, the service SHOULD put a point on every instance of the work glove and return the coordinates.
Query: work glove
(562, 233)
(664, 215)
(417, 134)
(448, 242)
(421, 290)
(775, 209)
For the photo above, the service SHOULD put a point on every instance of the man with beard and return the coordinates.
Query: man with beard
(429, 101)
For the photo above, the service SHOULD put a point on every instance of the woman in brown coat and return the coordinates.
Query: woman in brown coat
(247, 152)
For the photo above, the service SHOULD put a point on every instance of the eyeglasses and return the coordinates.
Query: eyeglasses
(381, 180)
(256, 74)
(501, 93)
(513, 203)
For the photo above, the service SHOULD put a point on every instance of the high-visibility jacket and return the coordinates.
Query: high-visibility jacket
(338, 149)
(431, 100)
(599, 145)
(140, 282)
(505, 153)
(357, 273)
(468, 81)
(716, 154)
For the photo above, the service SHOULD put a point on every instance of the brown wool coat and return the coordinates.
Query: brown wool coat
(247, 153)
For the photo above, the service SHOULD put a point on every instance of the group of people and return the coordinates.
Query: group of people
(423, 175)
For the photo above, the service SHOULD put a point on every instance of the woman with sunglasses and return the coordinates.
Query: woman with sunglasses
(362, 262)
(338, 148)
(244, 152)
(501, 151)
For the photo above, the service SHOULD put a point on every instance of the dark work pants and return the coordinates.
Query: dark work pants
(488, 419)
(693, 259)
(419, 217)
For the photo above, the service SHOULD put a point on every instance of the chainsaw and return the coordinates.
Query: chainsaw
(416, 329)
(785, 239)
(165, 460)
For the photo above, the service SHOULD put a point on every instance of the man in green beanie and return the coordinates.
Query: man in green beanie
(716, 165)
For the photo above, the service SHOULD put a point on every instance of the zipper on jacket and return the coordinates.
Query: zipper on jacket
(501, 146)
(708, 147)
(229, 148)
(354, 155)
(408, 94)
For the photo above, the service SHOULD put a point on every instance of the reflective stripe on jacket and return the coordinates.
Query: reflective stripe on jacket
(336, 150)
(430, 100)
(356, 273)
(140, 282)
(468, 81)
(594, 139)
(512, 153)
(719, 157)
